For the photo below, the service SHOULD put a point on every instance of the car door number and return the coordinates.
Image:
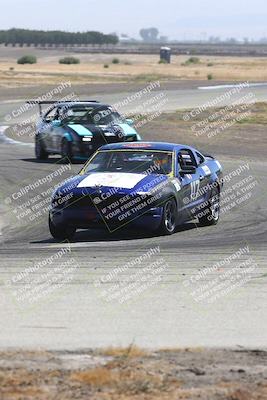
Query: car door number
(195, 189)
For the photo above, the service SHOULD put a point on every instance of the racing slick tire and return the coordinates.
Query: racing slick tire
(168, 221)
(66, 152)
(40, 152)
(212, 214)
(61, 232)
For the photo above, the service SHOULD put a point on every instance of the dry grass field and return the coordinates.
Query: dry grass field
(131, 67)
(124, 374)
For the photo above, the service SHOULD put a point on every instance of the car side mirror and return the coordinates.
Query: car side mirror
(191, 170)
(129, 121)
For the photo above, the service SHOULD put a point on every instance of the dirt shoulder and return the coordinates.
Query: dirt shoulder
(135, 374)
(215, 131)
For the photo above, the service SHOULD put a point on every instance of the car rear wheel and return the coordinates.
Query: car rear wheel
(66, 152)
(61, 232)
(40, 152)
(168, 222)
(212, 215)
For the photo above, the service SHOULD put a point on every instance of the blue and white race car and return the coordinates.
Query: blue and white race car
(143, 184)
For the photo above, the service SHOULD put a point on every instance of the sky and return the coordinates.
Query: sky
(177, 19)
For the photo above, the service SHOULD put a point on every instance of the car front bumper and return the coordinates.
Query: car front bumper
(82, 150)
(90, 217)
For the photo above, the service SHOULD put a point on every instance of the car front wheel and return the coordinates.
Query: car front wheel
(212, 214)
(66, 152)
(40, 152)
(168, 222)
(61, 232)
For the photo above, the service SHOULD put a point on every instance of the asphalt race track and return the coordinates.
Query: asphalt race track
(165, 314)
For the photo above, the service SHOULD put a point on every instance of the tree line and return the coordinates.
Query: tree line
(28, 37)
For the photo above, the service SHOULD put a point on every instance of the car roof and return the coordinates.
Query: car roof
(146, 146)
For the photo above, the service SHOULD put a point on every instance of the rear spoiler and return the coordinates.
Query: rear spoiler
(47, 102)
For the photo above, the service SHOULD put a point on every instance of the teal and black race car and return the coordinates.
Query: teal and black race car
(76, 129)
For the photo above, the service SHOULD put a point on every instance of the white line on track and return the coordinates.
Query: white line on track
(4, 139)
(259, 84)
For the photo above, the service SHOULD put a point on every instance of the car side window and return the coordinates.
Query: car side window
(186, 158)
(200, 158)
(51, 115)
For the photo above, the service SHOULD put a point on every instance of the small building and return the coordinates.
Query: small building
(165, 54)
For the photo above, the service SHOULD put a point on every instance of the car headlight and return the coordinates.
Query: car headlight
(87, 139)
(109, 134)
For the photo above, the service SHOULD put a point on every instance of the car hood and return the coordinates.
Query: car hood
(120, 182)
(90, 129)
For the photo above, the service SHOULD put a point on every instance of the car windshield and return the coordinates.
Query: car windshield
(91, 115)
(144, 162)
